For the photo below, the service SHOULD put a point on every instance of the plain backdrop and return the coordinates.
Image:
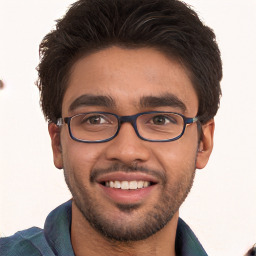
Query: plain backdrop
(222, 204)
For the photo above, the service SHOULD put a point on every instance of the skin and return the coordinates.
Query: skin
(128, 75)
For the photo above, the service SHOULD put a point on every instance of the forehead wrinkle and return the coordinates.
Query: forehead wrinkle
(92, 100)
(167, 100)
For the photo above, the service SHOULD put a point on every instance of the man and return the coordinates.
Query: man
(130, 90)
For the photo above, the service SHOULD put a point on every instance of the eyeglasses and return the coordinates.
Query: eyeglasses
(154, 126)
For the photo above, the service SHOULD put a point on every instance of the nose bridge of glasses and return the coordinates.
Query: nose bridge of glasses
(128, 119)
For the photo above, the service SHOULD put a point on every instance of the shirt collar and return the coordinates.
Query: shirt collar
(187, 243)
(57, 230)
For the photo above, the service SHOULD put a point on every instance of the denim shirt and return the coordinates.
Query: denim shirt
(54, 239)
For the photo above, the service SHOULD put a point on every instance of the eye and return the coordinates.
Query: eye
(163, 120)
(95, 120)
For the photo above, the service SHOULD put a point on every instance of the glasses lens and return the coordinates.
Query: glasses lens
(93, 126)
(160, 126)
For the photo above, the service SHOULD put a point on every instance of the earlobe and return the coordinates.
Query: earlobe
(206, 144)
(54, 132)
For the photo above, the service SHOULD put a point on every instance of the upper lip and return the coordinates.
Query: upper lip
(123, 176)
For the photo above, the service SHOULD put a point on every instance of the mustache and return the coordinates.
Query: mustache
(97, 172)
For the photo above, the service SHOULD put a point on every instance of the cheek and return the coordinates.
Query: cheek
(79, 157)
(178, 156)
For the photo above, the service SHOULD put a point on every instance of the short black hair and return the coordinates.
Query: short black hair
(170, 26)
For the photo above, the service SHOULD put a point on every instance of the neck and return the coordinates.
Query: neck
(87, 241)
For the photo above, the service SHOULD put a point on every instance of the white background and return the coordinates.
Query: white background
(222, 205)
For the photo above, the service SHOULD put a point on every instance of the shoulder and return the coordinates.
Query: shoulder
(29, 242)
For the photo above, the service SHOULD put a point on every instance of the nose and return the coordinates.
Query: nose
(127, 147)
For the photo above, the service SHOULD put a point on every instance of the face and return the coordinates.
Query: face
(127, 82)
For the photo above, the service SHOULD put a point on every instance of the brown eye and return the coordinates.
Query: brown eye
(159, 120)
(162, 120)
(94, 120)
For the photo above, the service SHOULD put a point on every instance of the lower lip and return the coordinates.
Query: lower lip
(129, 196)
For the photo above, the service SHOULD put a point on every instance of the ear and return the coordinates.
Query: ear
(205, 145)
(54, 132)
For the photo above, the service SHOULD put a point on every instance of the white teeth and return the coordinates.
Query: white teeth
(117, 184)
(127, 184)
(133, 185)
(124, 185)
(146, 184)
(111, 184)
(140, 184)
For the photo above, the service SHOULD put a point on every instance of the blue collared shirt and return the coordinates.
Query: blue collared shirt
(54, 239)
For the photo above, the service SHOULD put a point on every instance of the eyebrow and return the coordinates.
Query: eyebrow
(92, 100)
(167, 100)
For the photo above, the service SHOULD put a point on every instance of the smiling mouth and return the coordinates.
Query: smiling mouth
(127, 185)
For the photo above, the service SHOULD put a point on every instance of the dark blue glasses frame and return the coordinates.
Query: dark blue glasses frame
(127, 119)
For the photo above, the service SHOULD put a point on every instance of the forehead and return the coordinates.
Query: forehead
(126, 77)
